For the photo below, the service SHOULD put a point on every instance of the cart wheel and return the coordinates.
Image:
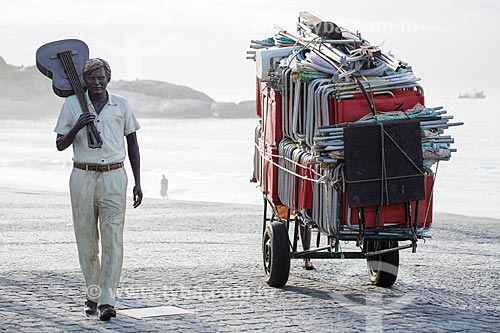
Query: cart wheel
(276, 254)
(382, 268)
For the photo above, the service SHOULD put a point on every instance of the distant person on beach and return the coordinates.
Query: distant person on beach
(98, 183)
(164, 186)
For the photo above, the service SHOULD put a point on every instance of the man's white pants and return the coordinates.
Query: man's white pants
(99, 196)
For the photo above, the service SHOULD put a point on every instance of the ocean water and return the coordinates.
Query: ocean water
(469, 184)
(211, 159)
(203, 159)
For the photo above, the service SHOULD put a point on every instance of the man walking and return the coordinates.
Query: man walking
(98, 182)
(164, 186)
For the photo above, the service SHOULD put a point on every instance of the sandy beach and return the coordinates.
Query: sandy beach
(206, 258)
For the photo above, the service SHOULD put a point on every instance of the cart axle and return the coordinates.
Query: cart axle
(317, 254)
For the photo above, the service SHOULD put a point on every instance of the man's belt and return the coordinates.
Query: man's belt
(97, 167)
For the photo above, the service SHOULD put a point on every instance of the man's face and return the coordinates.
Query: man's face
(96, 81)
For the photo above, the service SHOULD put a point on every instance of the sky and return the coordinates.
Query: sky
(452, 45)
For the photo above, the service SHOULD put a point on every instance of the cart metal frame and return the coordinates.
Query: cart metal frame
(370, 240)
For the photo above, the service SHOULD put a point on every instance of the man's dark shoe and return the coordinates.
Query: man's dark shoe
(106, 311)
(90, 307)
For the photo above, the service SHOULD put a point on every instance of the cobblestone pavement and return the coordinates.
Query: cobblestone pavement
(206, 258)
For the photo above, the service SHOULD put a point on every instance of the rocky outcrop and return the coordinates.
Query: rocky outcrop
(26, 94)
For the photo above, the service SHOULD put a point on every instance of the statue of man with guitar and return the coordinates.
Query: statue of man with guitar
(98, 181)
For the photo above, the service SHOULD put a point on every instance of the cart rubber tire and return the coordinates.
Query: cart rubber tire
(276, 254)
(382, 268)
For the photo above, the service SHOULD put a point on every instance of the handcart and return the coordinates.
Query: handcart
(377, 213)
(346, 146)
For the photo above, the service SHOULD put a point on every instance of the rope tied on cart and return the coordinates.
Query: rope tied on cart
(384, 185)
(422, 173)
(268, 157)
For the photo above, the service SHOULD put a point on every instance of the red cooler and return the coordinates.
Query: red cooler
(349, 110)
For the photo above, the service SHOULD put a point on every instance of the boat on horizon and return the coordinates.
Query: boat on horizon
(474, 95)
